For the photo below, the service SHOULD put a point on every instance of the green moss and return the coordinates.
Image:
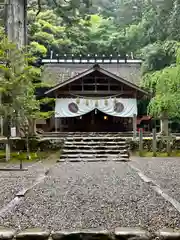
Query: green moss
(158, 154)
(16, 156)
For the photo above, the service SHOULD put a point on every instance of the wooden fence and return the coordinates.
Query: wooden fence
(168, 140)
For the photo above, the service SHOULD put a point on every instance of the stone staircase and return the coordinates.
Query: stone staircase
(93, 147)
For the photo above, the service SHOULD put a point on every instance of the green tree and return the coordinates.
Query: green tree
(68, 10)
(164, 85)
(17, 88)
(159, 55)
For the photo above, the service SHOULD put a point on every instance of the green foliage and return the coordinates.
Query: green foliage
(149, 29)
(167, 92)
(164, 85)
(17, 87)
(159, 55)
(68, 10)
(106, 27)
(37, 50)
(161, 147)
(155, 58)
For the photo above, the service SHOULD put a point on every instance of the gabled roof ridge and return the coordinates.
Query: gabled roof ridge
(96, 67)
(83, 60)
(110, 73)
(71, 79)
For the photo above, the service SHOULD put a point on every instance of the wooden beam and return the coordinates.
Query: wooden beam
(97, 78)
(99, 84)
(97, 93)
(95, 84)
(135, 94)
(82, 85)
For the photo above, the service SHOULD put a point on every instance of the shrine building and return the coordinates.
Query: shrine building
(93, 95)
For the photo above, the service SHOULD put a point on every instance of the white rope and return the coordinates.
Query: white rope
(96, 98)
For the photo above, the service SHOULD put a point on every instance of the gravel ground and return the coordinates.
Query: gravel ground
(90, 195)
(13, 182)
(165, 171)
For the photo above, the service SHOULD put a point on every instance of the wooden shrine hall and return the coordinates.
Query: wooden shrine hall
(94, 96)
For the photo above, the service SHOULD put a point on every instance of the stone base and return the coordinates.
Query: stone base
(13, 169)
(118, 233)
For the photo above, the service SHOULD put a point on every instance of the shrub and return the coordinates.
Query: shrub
(147, 145)
(34, 144)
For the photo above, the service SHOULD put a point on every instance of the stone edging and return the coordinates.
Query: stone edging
(94, 234)
(13, 169)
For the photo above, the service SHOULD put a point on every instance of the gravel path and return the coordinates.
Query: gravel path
(13, 182)
(165, 171)
(91, 195)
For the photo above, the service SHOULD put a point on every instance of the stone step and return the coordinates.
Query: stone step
(94, 143)
(86, 156)
(92, 160)
(94, 136)
(88, 136)
(95, 147)
(113, 138)
(79, 151)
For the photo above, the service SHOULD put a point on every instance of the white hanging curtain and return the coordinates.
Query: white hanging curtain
(118, 107)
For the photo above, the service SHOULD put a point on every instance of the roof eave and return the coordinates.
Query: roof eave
(101, 70)
(59, 85)
(112, 75)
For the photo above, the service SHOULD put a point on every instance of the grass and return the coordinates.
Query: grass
(17, 156)
(158, 154)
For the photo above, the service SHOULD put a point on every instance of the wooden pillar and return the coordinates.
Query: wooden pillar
(56, 123)
(1, 120)
(2, 126)
(134, 126)
(60, 124)
(92, 118)
(140, 142)
(168, 146)
(55, 118)
(169, 139)
(154, 143)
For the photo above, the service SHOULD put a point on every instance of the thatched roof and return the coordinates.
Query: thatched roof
(95, 68)
(60, 72)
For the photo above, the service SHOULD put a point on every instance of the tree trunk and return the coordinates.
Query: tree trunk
(32, 127)
(16, 21)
